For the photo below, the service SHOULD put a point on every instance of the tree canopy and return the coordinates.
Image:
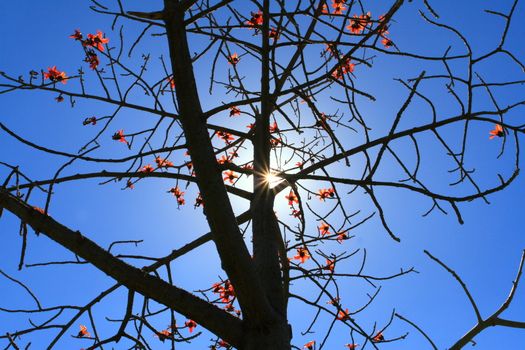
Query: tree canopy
(250, 174)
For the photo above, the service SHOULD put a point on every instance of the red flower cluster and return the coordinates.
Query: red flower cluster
(226, 295)
(225, 136)
(163, 163)
(96, 41)
(224, 290)
(146, 169)
(92, 42)
(55, 75)
(178, 194)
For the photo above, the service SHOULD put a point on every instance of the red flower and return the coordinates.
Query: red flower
(77, 35)
(274, 127)
(334, 301)
(343, 315)
(55, 75)
(225, 291)
(146, 169)
(378, 338)
(59, 98)
(325, 193)
(164, 334)
(338, 7)
(92, 59)
(234, 111)
(273, 34)
(130, 185)
(90, 120)
(171, 81)
(341, 236)
(119, 136)
(325, 9)
(163, 163)
(223, 160)
(191, 325)
(233, 59)
(331, 48)
(40, 210)
(302, 255)
(387, 42)
(248, 166)
(256, 20)
(300, 165)
(199, 201)
(310, 345)
(96, 40)
(296, 213)
(292, 198)
(83, 332)
(274, 142)
(225, 136)
(358, 24)
(352, 346)
(330, 265)
(324, 229)
(230, 176)
(222, 344)
(343, 68)
(497, 131)
(383, 30)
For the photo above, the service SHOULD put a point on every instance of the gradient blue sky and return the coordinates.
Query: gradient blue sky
(485, 251)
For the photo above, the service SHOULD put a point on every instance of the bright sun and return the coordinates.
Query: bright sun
(272, 179)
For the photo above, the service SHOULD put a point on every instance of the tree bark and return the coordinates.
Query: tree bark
(274, 337)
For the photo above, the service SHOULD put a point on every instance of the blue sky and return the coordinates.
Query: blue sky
(485, 251)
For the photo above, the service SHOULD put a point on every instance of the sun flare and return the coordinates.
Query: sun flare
(272, 179)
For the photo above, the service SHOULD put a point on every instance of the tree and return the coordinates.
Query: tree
(301, 76)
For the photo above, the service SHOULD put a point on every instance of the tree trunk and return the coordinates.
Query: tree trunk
(275, 337)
